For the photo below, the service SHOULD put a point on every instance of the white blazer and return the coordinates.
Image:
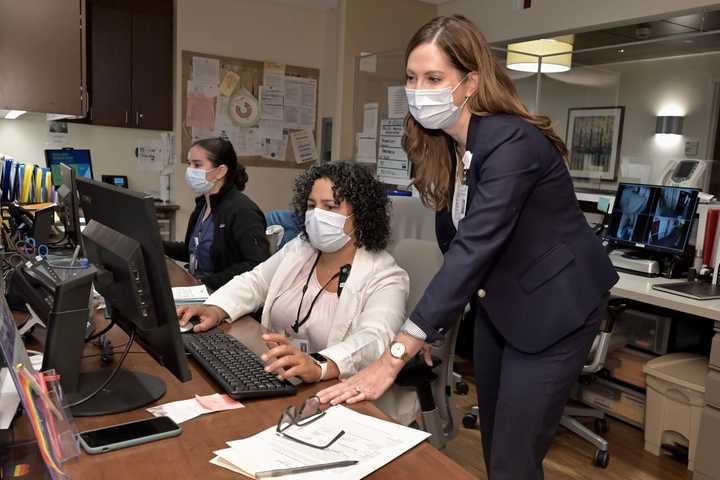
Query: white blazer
(370, 310)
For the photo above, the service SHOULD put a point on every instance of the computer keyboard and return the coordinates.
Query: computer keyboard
(235, 367)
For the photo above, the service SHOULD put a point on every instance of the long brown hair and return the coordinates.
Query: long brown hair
(468, 51)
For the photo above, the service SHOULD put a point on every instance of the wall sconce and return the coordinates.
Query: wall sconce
(669, 125)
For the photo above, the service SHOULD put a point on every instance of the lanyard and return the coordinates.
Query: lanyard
(299, 323)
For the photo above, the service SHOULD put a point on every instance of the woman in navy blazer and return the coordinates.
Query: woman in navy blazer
(515, 242)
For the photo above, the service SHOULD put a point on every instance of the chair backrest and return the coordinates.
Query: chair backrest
(286, 220)
(274, 235)
(410, 219)
(421, 259)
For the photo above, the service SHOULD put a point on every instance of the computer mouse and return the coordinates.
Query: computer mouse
(187, 328)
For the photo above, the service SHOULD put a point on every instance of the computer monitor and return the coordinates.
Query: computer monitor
(653, 217)
(123, 242)
(78, 159)
(68, 203)
(117, 180)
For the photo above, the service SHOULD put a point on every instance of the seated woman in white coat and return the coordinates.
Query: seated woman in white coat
(334, 296)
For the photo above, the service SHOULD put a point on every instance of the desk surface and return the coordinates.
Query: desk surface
(639, 288)
(187, 456)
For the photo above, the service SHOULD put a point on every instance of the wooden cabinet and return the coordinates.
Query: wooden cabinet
(42, 56)
(130, 67)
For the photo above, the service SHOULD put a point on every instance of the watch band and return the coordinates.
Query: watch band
(323, 370)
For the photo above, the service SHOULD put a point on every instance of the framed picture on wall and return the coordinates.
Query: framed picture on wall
(593, 140)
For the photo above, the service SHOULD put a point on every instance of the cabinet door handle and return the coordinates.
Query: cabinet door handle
(126, 117)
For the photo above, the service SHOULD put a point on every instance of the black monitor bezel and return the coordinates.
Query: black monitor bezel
(163, 342)
(647, 246)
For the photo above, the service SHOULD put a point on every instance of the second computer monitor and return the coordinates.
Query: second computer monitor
(653, 217)
(78, 159)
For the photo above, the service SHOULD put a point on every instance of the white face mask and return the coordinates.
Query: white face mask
(196, 179)
(325, 230)
(434, 108)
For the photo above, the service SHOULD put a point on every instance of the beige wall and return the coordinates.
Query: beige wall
(500, 21)
(264, 31)
(369, 26)
(112, 149)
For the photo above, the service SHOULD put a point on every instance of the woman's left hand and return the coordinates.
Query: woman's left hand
(287, 356)
(368, 384)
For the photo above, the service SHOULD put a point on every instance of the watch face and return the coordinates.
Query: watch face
(318, 358)
(397, 350)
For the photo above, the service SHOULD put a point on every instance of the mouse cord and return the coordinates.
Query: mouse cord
(111, 376)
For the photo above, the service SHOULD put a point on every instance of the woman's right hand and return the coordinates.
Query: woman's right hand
(210, 316)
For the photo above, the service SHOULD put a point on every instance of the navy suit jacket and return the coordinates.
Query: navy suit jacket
(524, 242)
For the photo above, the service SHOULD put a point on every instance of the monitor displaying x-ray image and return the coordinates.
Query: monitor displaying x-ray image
(653, 217)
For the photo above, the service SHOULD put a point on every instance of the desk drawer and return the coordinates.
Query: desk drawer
(712, 388)
(707, 461)
(715, 352)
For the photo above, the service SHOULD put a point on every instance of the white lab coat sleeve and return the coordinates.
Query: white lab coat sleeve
(246, 293)
(379, 321)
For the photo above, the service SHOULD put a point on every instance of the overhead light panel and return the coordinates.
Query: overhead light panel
(556, 55)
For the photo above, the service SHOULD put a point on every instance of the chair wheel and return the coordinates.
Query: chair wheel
(469, 420)
(602, 458)
(601, 426)
(461, 388)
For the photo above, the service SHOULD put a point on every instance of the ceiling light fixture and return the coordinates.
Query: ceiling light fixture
(553, 54)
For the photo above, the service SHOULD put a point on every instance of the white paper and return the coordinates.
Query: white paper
(222, 114)
(248, 142)
(272, 129)
(9, 399)
(366, 148)
(274, 76)
(368, 62)
(397, 102)
(393, 166)
(203, 89)
(303, 144)
(193, 293)
(300, 103)
(184, 410)
(151, 156)
(206, 70)
(276, 149)
(370, 119)
(370, 441)
(271, 104)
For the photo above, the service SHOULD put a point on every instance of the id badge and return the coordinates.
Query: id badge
(461, 189)
(302, 344)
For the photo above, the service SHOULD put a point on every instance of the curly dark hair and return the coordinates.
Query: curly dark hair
(354, 183)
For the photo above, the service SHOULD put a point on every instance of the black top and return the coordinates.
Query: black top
(239, 242)
(524, 241)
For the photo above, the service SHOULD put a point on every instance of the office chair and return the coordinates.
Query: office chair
(594, 363)
(433, 384)
(286, 220)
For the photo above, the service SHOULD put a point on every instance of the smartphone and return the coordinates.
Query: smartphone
(128, 434)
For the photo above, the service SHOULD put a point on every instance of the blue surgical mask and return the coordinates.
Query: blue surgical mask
(196, 179)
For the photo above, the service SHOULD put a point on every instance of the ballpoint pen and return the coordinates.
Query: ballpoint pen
(308, 468)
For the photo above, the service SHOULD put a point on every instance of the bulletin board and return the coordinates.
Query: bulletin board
(238, 79)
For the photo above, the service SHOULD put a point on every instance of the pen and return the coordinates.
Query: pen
(308, 468)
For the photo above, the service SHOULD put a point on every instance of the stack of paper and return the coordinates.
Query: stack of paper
(184, 410)
(369, 440)
(194, 294)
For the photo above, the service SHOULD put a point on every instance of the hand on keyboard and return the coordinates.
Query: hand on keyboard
(287, 356)
(210, 316)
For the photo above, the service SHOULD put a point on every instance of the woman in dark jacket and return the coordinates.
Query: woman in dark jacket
(226, 232)
(515, 242)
